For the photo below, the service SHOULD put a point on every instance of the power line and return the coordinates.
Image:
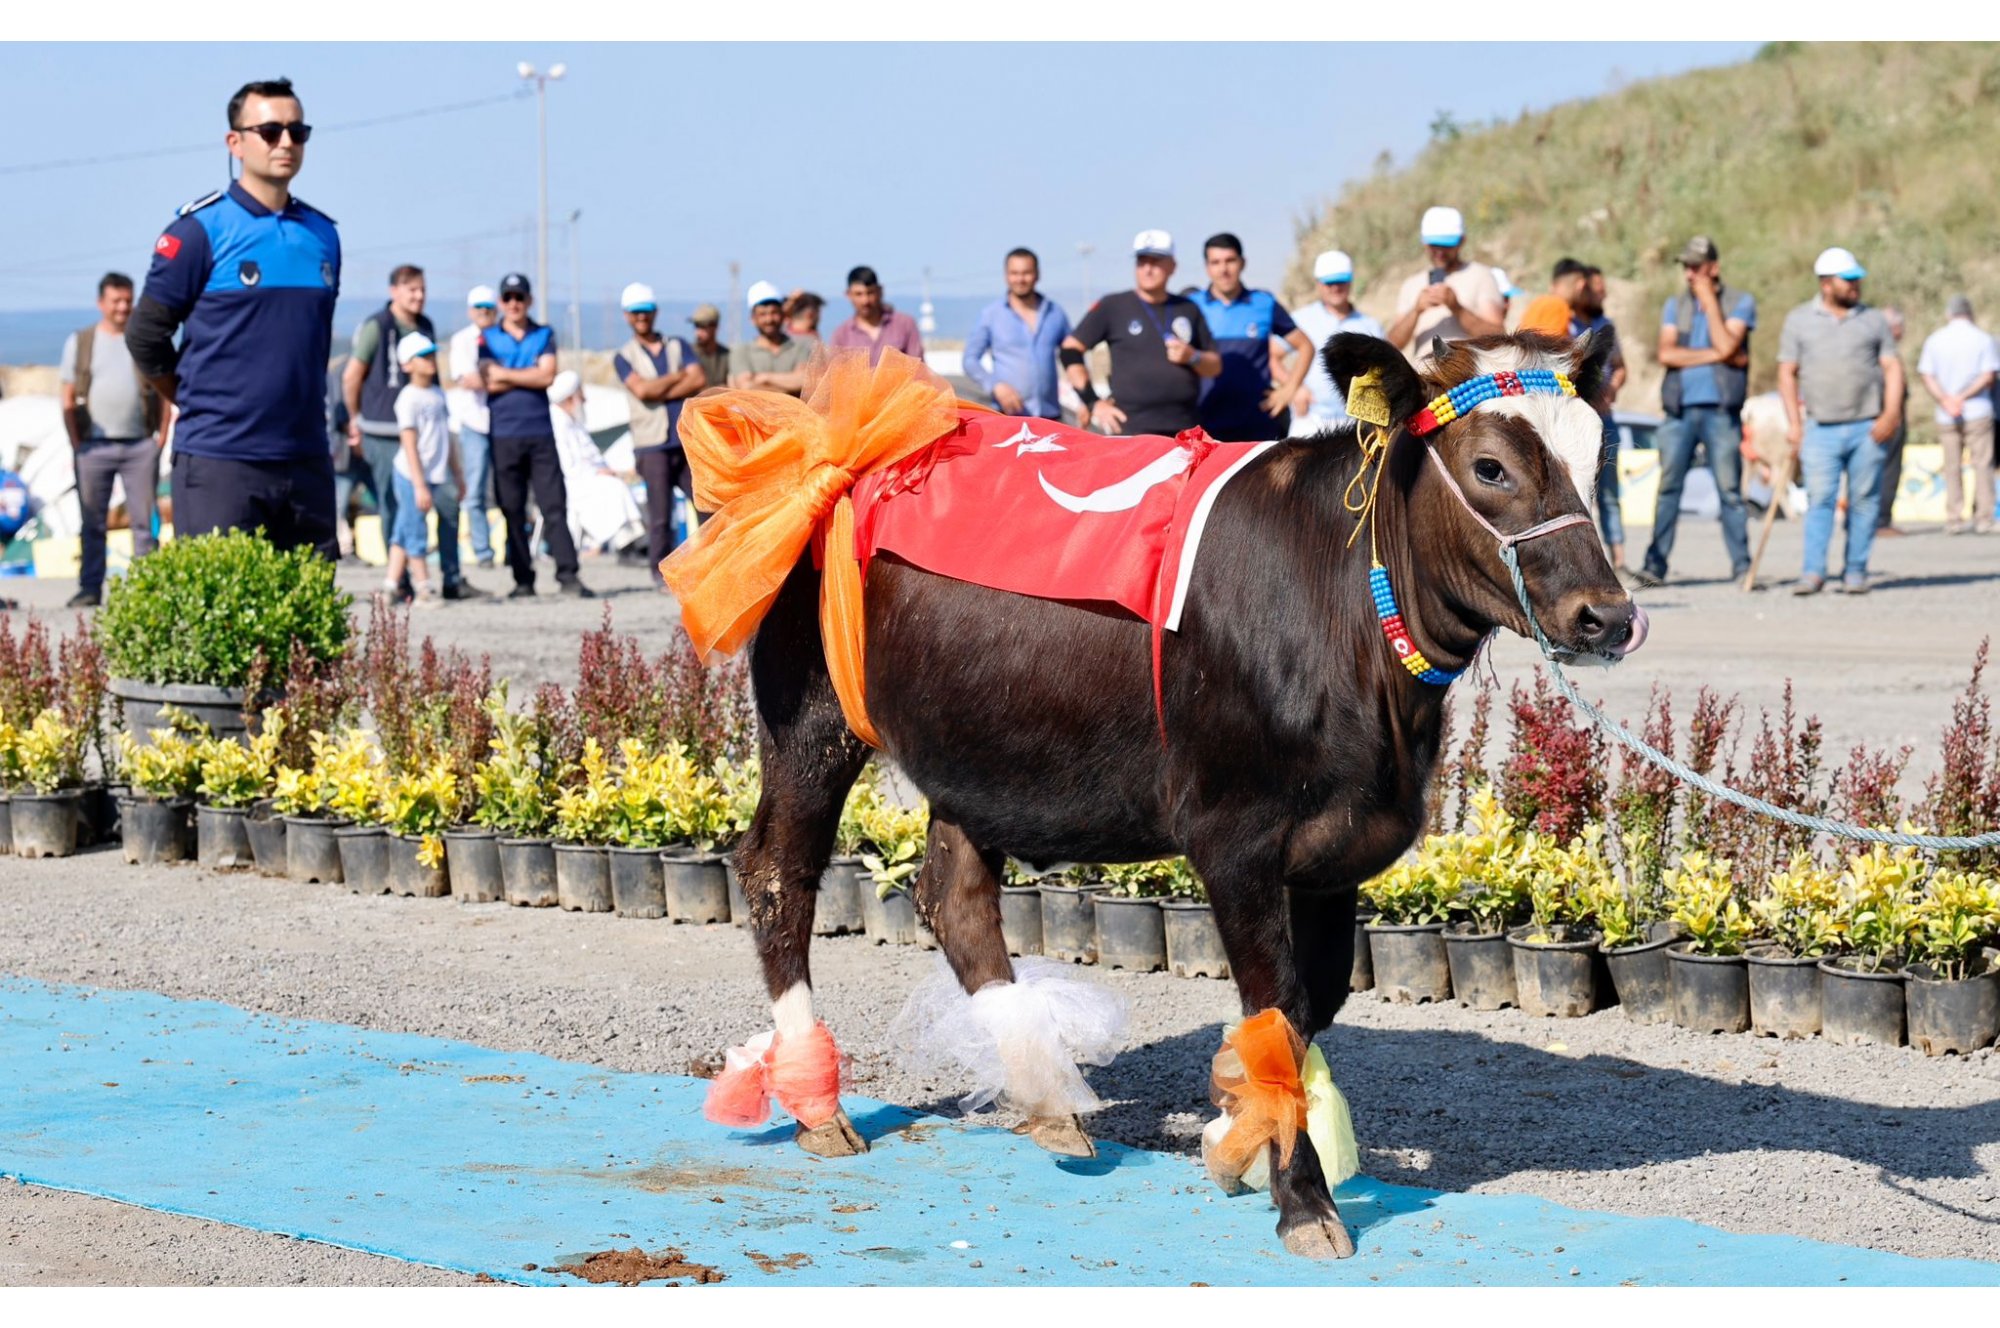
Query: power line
(112, 158)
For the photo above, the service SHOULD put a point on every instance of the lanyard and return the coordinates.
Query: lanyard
(1158, 324)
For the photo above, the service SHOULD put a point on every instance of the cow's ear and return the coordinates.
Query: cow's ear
(1352, 355)
(1593, 361)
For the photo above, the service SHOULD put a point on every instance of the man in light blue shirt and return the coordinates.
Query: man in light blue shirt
(1022, 334)
(1318, 407)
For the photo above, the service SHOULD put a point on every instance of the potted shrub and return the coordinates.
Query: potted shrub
(514, 790)
(418, 806)
(636, 832)
(1489, 869)
(838, 903)
(1555, 954)
(1861, 991)
(472, 847)
(582, 829)
(50, 754)
(188, 624)
(1411, 902)
(1131, 933)
(897, 835)
(1069, 915)
(1711, 984)
(1361, 975)
(1194, 942)
(1953, 990)
(303, 797)
(156, 824)
(1020, 910)
(742, 786)
(1634, 945)
(10, 778)
(1796, 920)
(233, 777)
(693, 877)
(357, 785)
(264, 825)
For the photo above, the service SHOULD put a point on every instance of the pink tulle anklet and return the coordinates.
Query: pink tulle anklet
(803, 1073)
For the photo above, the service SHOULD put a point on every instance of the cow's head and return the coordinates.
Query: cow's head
(1515, 463)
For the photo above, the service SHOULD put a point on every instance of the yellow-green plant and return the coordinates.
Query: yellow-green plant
(1958, 914)
(897, 835)
(850, 836)
(167, 766)
(1613, 905)
(235, 774)
(1161, 878)
(1565, 883)
(1410, 894)
(636, 816)
(584, 809)
(354, 776)
(50, 752)
(1490, 868)
(514, 788)
(742, 784)
(697, 811)
(423, 803)
(1878, 899)
(1701, 897)
(10, 755)
(1799, 910)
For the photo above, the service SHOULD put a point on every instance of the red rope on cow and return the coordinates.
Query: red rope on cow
(1256, 1079)
(802, 1073)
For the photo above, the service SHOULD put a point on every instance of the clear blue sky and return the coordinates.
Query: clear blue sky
(797, 160)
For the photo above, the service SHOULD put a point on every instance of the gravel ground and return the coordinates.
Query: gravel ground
(1864, 1146)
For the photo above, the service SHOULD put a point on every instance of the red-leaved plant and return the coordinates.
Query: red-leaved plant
(1963, 797)
(1647, 796)
(1468, 768)
(1863, 792)
(1553, 778)
(621, 694)
(27, 671)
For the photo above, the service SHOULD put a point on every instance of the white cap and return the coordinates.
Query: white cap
(567, 384)
(414, 345)
(1508, 289)
(763, 292)
(1157, 243)
(638, 298)
(481, 297)
(1443, 226)
(1333, 266)
(1837, 262)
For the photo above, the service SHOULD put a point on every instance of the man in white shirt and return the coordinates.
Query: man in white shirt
(1958, 364)
(1455, 300)
(469, 417)
(117, 425)
(1318, 405)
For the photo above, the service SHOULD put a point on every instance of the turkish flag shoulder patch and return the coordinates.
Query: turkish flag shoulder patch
(168, 246)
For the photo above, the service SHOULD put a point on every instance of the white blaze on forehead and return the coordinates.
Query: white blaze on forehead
(1569, 428)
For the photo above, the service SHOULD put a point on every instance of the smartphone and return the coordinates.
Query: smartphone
(1438, 274)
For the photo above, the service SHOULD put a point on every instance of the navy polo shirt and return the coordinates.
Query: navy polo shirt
(254, 292)
(521, 412)
(1243, 329)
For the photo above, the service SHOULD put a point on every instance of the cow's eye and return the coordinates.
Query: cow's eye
(1489, 471)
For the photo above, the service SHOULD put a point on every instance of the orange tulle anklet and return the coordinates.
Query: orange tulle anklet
(1256, 1081)
(802, 1073)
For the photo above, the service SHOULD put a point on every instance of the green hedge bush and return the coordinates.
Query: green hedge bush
(201, 610)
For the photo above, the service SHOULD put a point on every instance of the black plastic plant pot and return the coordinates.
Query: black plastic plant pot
(407, 873)
(6, 825)
(45, 824)
(1194, 942)
(1948, 1016)
(472, 861)
(696, 887)
(267, 839)
(1069, 923)
(890, 921)
(364, 858)
(312, 854)
(528, 872)
(1555, 977)
(583, 878)
(222, 837)
(739, 903)
(1482, 967)
(1020, 917)
(1410, 963)
(1131, 934)
(638, 883)
(1784, 993)
(97, 815)
(1858, 1008)
(1361, 977)
(837, 902)
(1641, 981)
(157, 830)
(1711, 992)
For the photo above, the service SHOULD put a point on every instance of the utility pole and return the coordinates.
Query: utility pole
(541, 81)
(575, 286)
(735, 302)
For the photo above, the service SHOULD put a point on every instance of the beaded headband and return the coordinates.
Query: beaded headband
(1469, 395)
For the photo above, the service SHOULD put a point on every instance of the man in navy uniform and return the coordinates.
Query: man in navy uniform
(251, 274)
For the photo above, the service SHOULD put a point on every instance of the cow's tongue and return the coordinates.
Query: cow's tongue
(1640, 625)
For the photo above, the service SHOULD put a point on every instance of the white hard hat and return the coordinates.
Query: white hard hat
(1333, 266)
(1443, 226)
(638, 298)
(763, 292)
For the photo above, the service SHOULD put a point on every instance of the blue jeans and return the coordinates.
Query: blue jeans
(1720, 432)
(412, 533)
(1610, 520)
(381, 452)
(1830, 451)
(475, 454)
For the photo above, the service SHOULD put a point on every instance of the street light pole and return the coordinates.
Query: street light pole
(575, 285)
(541, 81)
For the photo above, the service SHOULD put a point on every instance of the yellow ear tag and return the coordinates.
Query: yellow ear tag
(1366, 401)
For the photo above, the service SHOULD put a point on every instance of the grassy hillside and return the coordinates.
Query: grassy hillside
(1892, 150)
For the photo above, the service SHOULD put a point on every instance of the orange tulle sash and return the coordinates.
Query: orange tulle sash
(1255, 1078)
(775, 471)
(803, 1074)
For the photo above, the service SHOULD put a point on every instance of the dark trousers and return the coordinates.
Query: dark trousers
(381, 453)
(137, 462)
(292, 500)
(518, 465)
(1892, 476)
(664, 469)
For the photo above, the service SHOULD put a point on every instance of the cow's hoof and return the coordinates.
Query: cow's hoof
(1061, 1135)
(834, 1138)
(1318, 1238)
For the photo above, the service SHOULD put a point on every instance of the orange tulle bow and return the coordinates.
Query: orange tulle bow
(774, 471)
(802, 1073)
(1255, 1078)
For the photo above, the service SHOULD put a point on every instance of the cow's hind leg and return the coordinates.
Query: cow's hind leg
(1018, 1030)
(809, 760)
(1246, 889)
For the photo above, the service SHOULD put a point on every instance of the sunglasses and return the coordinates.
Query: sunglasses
(513, 299)
(272, 131)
